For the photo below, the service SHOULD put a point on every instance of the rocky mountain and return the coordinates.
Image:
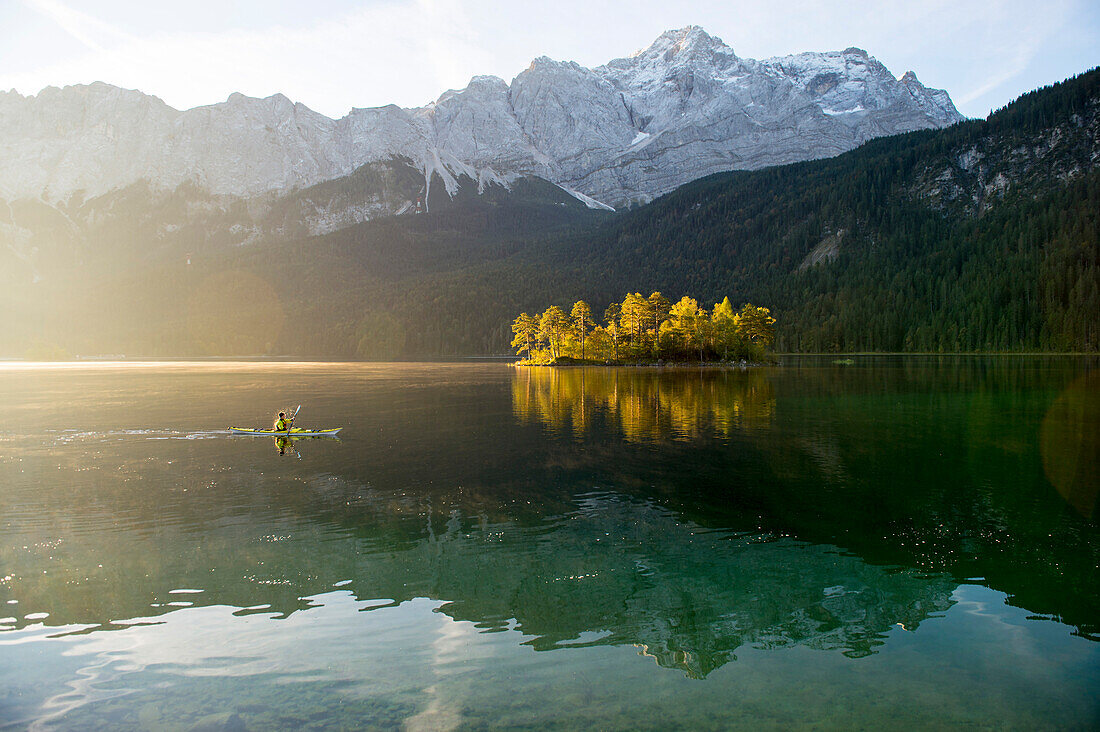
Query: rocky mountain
(621, 133)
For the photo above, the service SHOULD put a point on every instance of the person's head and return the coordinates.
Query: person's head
(282, 414)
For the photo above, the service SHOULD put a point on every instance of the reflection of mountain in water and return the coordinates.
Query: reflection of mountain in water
(615, 571)
(632, 573)
(644, 404)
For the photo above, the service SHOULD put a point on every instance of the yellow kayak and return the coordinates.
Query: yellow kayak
(293, 432)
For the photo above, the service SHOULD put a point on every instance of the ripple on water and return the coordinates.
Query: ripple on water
(58, 438)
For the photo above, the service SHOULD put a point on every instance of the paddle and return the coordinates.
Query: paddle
(296, 452)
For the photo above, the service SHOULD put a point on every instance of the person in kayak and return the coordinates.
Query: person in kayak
(282, 424)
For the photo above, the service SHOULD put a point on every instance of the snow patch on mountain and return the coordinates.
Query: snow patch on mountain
(586, 200)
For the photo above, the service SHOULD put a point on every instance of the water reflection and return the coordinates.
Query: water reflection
(621, 572)
(478, 526)
(285, 445)
(644, 404)
(629, 572)
(1071, 444)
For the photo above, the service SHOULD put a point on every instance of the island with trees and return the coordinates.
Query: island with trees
(645, 330)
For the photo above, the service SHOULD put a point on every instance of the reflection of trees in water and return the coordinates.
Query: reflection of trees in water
(1070, 443)
(633, 573)
(614, 571)
(644, 404)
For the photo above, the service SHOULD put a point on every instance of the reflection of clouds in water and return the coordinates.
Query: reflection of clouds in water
(347, 647)
(984, 615)
(87, 687)
(450, 650)
(644, 404)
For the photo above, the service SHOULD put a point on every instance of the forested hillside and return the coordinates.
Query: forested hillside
(979, 237)
(983, 236)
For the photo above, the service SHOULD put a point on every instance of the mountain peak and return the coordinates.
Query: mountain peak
(480, 85)
(683, 42)
(541, 61)
(488, 80)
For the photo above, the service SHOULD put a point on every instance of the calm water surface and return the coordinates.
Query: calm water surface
(893, 543)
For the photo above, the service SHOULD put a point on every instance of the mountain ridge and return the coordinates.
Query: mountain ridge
(620, 133)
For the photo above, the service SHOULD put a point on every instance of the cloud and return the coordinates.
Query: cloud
(1014, 67)
(385, 53)
(407, 52)
(80, 26)
(1006, 42)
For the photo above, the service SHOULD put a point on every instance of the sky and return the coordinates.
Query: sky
(333, 55)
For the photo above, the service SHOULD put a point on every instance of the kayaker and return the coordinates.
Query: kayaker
(282, 424)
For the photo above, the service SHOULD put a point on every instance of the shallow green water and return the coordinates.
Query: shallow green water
(893, 543)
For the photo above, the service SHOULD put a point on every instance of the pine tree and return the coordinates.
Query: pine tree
(658, 311)
(526, 330)
(554, 328)
(686, 325)
(756, 325)
(582, 318)
(724, 327)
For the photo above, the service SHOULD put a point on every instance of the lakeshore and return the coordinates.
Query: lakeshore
(573, 364)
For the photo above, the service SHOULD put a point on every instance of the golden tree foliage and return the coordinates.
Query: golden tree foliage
(526, 330)
(756, 324)
(640, 328)
(582, 318)
(554, 330)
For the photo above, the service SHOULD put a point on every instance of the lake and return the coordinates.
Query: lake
(898, 542)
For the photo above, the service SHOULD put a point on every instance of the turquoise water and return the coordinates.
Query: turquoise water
(893, 543)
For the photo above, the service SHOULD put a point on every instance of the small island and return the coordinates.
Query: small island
(645, 330)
